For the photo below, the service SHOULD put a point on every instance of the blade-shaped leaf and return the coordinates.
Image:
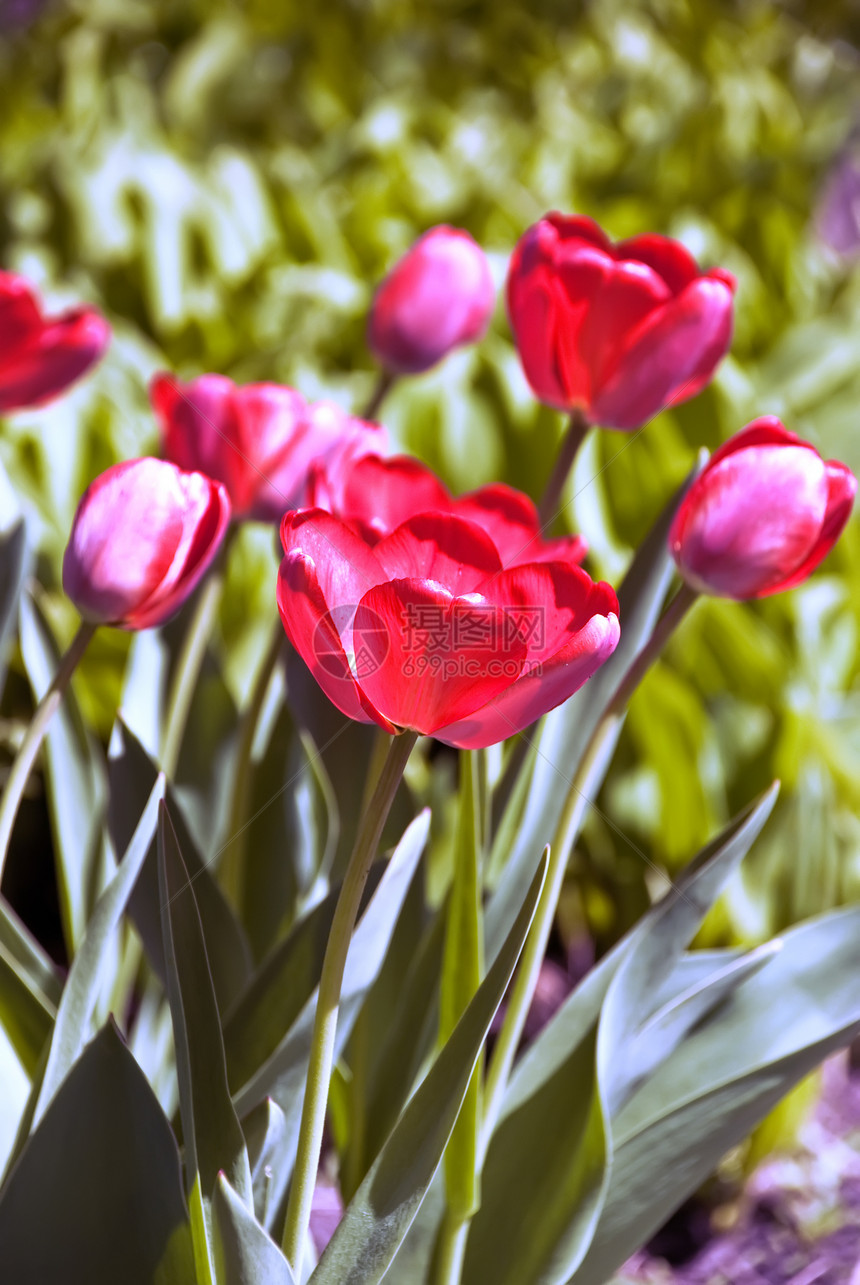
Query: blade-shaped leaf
(75, 778)
(213, 1136)
(96, 1194)
(244, 1254)
(13, 569)
(268, 1140)
(29, 956)
(132, 775)
(83, 984)
(26, 1015)
(564, 733)
(378, 1217)
(724, 1079)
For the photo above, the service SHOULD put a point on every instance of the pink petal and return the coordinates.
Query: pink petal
(841, 489)
(441, 547)
(35, 372)
(379, 494)
(432, 658)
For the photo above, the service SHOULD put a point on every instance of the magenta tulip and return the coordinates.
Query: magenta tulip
(439, 296)
(40, 357)
(260, 440)
(143, 535)
(762, 515)
(616, 332)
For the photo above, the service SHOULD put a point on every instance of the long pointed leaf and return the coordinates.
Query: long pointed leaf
(244, 1254)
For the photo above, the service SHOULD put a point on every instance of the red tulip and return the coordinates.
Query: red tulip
(142, 537)
(439, 296)
(425, 629)
(763, 513)
(260, 440)
(40, 357)
(375, 495)
(618, 332)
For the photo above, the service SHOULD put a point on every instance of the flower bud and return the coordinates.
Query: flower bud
(143, 535)
(617, 332)
(40, 357)
(439, 296)
(762, 514)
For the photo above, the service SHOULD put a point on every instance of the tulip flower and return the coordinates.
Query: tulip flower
(40, 357)
(143, 535)
(260, 440)
(425, 629)
(762, 514)
(614, 332)
(439, 296)
(375, 495)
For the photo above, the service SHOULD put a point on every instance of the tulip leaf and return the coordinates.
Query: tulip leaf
(723, 1079)
(83, 984)
(213, 1136)
(96, 1194)
(29, 956)
(549, 1160)
(379, 1215)
(244, 1253)
(13, 569)
(268, 1139)
(75, 779)
(26, 1016)
(282, 1075)
(132, 774)
(565, 732)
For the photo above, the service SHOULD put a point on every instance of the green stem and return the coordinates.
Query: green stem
(20, 771)
(451, 1250)
(328, 999)
(190, 662)
(586, 781)
(384, 384)
(233, 860)
(573, 438)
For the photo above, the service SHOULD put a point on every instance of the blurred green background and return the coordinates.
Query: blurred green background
(228, 182)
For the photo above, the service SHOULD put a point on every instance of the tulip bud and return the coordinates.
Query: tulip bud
(618, 332)
(439, 296)
(143, 535)
(40, 357)
(762, 514)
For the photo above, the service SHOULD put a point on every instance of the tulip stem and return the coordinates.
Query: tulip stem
(328, 1000)
(19, 773)
(190, 662)
(586, 781)
(233, 863)
(384, 384)
(574, 436)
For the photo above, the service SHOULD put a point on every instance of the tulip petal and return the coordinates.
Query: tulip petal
(534, 301)
(669, 259)
(630, 293)
(547, 604)
(433, 658)
(378, 494)
(200, 430)
(751, 520)
(54, 356)
(509, 518)
(311, 628)
(273, 443)
(663, 359)
(441, 547)
(841, 489)
(538, 690)
(765, 431)
(20, 318)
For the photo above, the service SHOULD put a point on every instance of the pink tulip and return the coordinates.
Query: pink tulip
(40, 357)
(762, 515)
(143, 535)
(439, 296)
(617, 332)
(260, 440)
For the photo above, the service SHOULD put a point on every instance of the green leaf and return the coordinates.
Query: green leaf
(268, 1140)
(213, 1136)
(75, 779)
(378, 1217)
(244, 1254)
(91, 963)
(29, 957)
(723, 1079)
(96, 1194)
(13, 569)
(282, 1075)
(132, 773)
(565, 732)
(26, 1015)
(547, 1166)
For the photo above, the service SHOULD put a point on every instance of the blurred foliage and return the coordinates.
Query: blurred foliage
(228, 181)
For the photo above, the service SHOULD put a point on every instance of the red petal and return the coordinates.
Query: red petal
(431, 658)
(765, 431)
(200, 430)
(539, 690)
(378, 494)
(548, 603)
(631, 293)
(669, 259)
(51, 359)
(20, 317)
(441, 547)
